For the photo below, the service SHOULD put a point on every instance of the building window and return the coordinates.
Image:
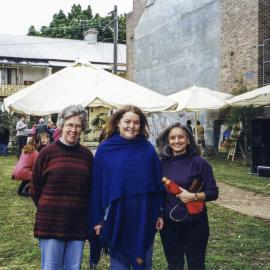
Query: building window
(10, 76)
(1, 106)
(28, 82)
(1, 76)
(266, 61)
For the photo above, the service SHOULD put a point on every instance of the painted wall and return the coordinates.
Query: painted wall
(177, 45)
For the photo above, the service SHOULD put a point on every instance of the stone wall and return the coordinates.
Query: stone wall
(177, 45)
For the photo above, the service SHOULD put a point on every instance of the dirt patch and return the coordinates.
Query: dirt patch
(243, 201)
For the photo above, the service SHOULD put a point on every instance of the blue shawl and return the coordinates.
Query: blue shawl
(127, 179)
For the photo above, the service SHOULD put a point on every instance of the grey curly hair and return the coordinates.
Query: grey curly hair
(73, 110)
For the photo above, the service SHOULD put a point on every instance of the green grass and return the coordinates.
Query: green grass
(237, 241)
(236, 174)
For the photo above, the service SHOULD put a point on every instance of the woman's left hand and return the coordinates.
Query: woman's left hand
(185, 196)
(160, 223)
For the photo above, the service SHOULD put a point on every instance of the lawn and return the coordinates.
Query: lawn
(236, 174)
(237, 241)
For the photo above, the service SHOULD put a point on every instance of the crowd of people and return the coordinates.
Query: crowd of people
(116, 199)
(30, 143)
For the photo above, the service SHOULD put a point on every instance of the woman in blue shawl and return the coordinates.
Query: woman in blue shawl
(126, 191)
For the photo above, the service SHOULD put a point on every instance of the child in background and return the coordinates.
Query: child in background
(24, 167)
(44, 140)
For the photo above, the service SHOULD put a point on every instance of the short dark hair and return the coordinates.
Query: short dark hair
(188, 122)
(112, 124)
(163, 147)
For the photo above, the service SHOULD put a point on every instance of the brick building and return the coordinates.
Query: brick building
(245, 28)
(220, 44)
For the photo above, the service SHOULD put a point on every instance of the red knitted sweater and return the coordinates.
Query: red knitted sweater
(60, 191)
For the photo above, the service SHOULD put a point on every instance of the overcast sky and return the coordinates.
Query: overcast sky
(17, 15)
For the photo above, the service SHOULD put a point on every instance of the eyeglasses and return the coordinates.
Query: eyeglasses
(72, 126)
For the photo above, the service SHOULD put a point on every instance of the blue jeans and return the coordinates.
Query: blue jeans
(117, 265)
(3, 149)
(60, 254)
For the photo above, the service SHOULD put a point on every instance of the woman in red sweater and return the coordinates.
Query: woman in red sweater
(60, 190)
(24, 167)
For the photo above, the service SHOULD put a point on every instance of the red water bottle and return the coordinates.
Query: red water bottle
(171, 186)
(193, 208)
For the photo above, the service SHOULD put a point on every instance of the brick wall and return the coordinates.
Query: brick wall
(239, 50)
(264, 39)
(132, 20)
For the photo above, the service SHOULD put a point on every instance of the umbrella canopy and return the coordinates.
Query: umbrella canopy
(82, 83)
(257, 97)
(198, 99)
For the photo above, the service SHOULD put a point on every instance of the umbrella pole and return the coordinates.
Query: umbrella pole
(196, 133)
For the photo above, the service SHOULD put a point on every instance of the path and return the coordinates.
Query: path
(246, 202)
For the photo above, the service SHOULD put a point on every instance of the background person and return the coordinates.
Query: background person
(189, 126)
(51, 129)
(22, 133)
(185, 235)
(60, 191)
(200, 136)
(41, 127)
(125, 197)
(56, 134)
(4, 140)
(32, 131)
(24, 167)
(44, 140)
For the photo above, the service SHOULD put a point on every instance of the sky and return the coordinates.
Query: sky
(16, 16)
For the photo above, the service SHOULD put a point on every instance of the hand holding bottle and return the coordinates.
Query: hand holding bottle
(193, 207)
(185, 196)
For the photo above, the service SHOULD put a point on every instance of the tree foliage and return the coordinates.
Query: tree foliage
(77, 21)
(99, 121)
(7, 120)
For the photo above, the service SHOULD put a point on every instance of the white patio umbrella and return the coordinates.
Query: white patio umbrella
(197, 99)
(257, 97)
(82, 83)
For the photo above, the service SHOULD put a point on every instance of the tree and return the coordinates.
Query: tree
(99, 121)
(32, 31)
(7, 120)
(76, 22)
(122, 22)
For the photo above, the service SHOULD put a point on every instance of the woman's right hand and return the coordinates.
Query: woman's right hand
(185, 196)
(97, 229)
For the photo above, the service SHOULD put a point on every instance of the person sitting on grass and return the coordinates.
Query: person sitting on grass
(24, 167)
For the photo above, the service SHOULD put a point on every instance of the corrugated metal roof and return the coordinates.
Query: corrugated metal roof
(31, 47)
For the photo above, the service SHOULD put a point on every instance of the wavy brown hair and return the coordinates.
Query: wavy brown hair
(30, 147)
(111, 125)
